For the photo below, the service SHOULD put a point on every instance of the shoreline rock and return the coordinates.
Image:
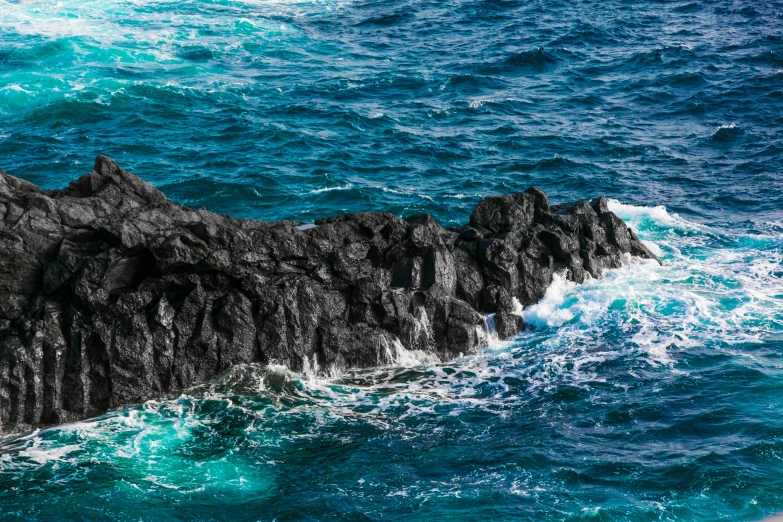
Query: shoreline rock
(110, 294)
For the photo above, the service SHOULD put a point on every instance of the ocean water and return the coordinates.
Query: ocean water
(655, 393)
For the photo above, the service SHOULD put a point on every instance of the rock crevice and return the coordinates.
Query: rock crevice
(110, 294)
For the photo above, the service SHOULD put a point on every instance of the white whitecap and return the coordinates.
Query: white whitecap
(347, 186)
(548, 312)
(657, 213)
(43, 453)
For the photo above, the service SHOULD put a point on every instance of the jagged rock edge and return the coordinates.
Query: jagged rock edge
(110, 294)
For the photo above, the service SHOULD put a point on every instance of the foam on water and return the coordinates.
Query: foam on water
(349, 186)
(549, 311)
(658, 214)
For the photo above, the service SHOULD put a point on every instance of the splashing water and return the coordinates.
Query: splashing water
(395, 354)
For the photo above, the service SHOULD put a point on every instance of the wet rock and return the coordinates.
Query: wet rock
(110, 294)
(507, 324)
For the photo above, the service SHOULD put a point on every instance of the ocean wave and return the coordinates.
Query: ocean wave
(549, 312)
(657, 213)
(553, 163)
(584, 33)
(672, 54)
(726, 133)
(538, 58)
(386, 20)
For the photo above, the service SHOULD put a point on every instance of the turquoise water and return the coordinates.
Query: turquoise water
(655, 393)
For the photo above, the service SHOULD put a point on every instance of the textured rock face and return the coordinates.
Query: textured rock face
(110, 294)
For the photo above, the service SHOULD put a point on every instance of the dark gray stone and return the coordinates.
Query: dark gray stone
(110, 294)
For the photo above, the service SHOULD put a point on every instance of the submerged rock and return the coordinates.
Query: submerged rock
(110, 294)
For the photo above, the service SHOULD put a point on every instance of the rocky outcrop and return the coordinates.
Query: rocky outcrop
(110, 294)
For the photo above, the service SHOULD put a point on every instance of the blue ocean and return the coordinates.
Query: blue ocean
(655, 393)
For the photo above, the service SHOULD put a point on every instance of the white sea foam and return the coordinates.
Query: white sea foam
(347, 186)
(652, 247)
(391, 190)
(18, 88)
(657, 213)
(156, 42)
(705, 292)
(549, 312)
(42, 452)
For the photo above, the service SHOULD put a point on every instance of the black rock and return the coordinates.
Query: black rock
(110, 294)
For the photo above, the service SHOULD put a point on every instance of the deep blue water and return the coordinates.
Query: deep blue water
(655, 393)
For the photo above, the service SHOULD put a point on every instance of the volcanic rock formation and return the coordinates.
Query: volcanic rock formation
(110, 294)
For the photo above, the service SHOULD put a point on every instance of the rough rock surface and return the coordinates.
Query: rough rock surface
(110, 294)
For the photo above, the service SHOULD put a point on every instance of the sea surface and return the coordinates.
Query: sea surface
(655, 393)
